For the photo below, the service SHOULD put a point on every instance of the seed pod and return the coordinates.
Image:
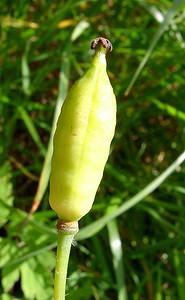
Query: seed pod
(82, 139)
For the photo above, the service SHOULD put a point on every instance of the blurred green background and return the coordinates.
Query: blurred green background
(44, 48)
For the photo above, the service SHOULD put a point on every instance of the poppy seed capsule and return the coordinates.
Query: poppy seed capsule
(82, 139)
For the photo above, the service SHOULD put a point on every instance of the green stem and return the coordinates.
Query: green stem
(66, 233)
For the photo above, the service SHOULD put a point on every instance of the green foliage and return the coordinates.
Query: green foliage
(44, 48)
(6, 197)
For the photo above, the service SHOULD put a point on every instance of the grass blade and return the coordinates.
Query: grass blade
(167, 19)
(32, 129)
(25, 72)
(158, 285)
(179, 274)
(172, 111)
(32, 252)
(96, 226)
(116, 249)
(79, 29)
(45, 173)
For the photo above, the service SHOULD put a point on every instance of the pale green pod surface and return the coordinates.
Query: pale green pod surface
(82, 141)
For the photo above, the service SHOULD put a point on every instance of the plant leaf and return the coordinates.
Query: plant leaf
(79, 29)
(5, 296)
(171, 110)
(167, 19)
(116, 249)
(35, 282)
(5, 193)
(26, 71)
(9, 278)
(32, 129)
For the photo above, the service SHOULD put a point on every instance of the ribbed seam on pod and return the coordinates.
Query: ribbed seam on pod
(82, 141)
